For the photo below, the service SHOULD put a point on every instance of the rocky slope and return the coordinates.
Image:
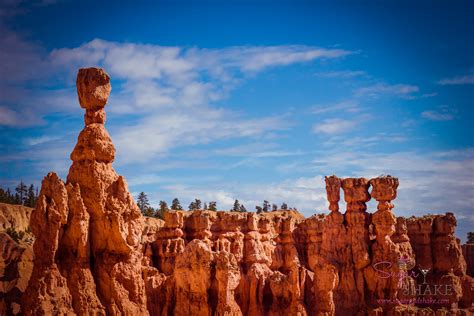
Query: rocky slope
(95, 254)
(14, 216)
(16, 256)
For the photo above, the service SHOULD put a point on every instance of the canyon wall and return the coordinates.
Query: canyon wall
(95, 254)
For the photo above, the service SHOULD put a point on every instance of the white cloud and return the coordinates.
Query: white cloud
(344, 74)
(458, 80)
(426, 178)
(139, 61)
(152, 76)
(160, 133)
(444, 113)
(430, 182)
(12, 118)
(437, 116)
(170, 91)
(33, 141)
(348, 141)
(306, 193)
(350, 106)
(334, 126)
(176, 87)
(399, 90)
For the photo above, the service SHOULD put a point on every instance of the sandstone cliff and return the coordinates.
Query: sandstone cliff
(93, 254)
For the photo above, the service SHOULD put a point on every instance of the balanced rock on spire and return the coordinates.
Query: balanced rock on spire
(89, 261)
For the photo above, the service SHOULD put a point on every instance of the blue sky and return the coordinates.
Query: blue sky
(250, 100)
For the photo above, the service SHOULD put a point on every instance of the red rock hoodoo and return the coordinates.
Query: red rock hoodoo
(94, 257)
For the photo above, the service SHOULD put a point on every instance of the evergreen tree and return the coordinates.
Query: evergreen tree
(198, 204)
(16, 199)
(205, 206)
(142, 202)
(195, 205)
(10, 197)
(175, 205)
(470, 238)
(266, 206)
(243, 209)
(213, 206)
(160, 213)
(259, 209)
(3, 196)
(149, 211)
(22, 191)
(274, 207)
(31, 197)
(284, 206)
(236, 207)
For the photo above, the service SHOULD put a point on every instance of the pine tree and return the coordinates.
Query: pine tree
(22, 191)
(274, 207)
(2, 195)
(266, 206)
(31, 197)
(149, 211)
(160, 213)
(243, 209)
(236, 207)
(195, 205)
(212, 206)
(470, 238)
(259, 209)
(10, 197)
(175, 205)
(284, 206)
(16, 199)
(142, 202)
(198, 204)
(205, 206)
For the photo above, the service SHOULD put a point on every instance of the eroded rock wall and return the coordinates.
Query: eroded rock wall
(94, 255)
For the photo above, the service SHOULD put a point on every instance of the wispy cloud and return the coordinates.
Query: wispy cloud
(458, 80)
(305, 193)
(399, 90)
(349, 141)
(153, 76)
(170, 91)
(33, 141)
(350, 106)
(443, 113)
(344, 74)
(334, 126)
(176, 88)
(427, 178)
(160, 133)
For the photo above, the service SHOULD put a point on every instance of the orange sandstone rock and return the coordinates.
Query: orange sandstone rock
(96, 255)
(88, 247)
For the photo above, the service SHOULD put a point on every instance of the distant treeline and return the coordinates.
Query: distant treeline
(159, 212)
(22, 195)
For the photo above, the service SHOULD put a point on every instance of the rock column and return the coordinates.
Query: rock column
(385, 253)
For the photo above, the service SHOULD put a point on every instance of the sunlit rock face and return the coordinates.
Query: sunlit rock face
(88, 249)
(95, 254)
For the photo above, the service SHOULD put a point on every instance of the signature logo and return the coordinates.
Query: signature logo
(404, 270)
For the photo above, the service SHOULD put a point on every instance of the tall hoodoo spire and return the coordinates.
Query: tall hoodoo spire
(94, 251)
